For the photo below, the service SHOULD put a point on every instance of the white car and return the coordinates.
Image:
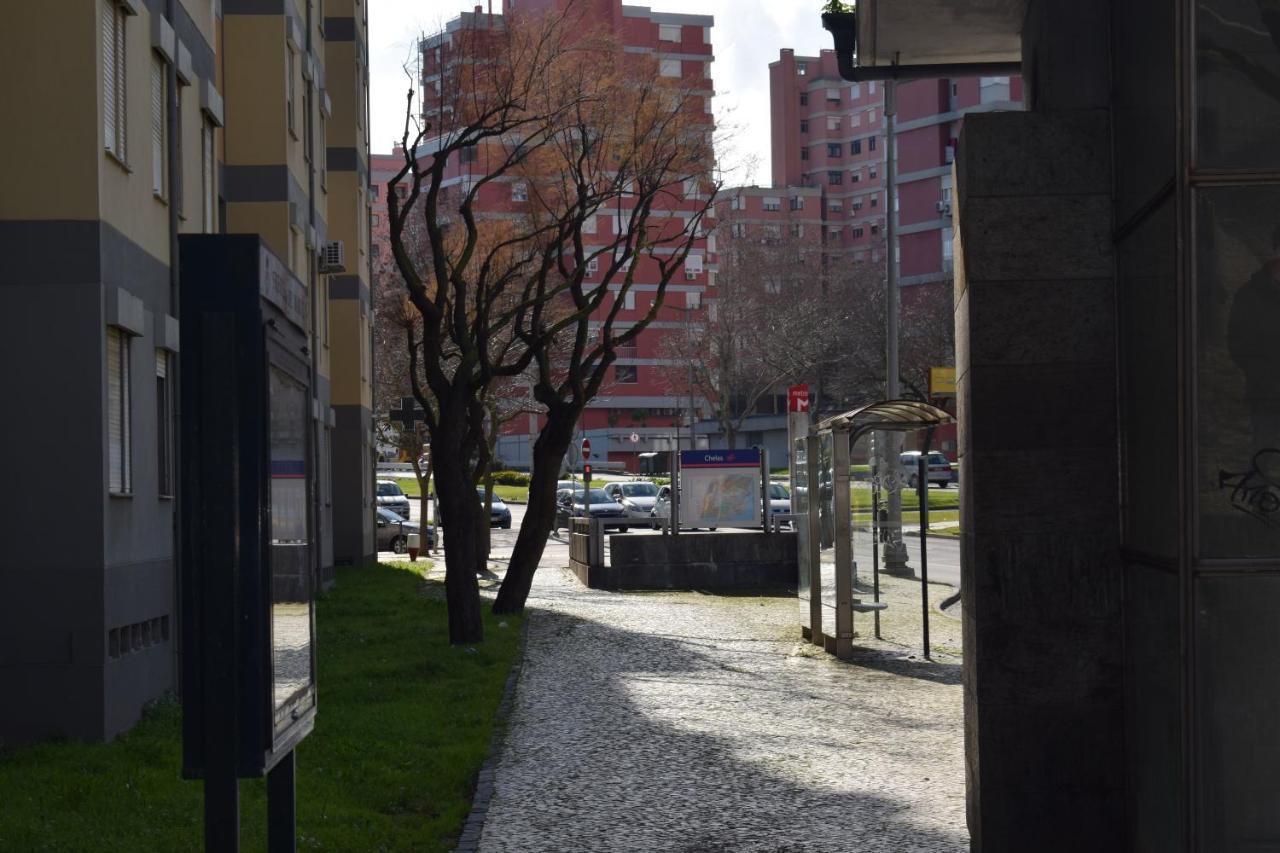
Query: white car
(779, 500)
(938, 471)
(636, 497)
(392, 497)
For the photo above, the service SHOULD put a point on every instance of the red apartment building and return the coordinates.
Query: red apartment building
(643, 400)
(830, 134)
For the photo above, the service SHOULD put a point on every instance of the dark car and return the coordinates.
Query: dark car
(571, 503)
(499, 513)
(392, 532)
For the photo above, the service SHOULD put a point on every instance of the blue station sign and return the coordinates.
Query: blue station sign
(745, 458)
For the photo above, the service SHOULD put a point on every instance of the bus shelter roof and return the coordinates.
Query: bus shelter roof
(900, 415)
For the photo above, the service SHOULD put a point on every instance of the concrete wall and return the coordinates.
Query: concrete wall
(713, 561)
(1036, 383)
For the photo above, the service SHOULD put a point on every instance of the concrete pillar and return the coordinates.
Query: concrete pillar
(1036, 386)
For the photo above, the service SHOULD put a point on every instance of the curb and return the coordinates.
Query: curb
(469, 839)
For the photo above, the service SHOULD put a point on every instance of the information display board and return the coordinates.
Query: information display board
(721, 488)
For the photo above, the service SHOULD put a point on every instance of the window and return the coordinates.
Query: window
(855, 91)
(520, 191)
(833, 95)
(947, 244)
(291, 59)
(669, 68)
(835, 205)
(875, 229)
(629, 300)
(834, 230)
(773, 204)
(855, 120)
(306, 122)
(589, 224)
(164, 424)
(855, 147)
(804, 153)
(120, 474)
(207, 193)
(465, 155)
(797, 230)
(158, 158)
(857, 232)
(114, 101)
(833, 122)
(322, 151)
(625, 374)
(692, 266)
(668, 32)
(693, 299)
(739, 230)
(871, 143)
(855, 175)
(835, 178)
(871, 87)
(772, 232)
(804, 99)
(735, 203)
(804, 125)
(834, 149)
(593, 265)
(801, 69)
(873, 172)
(875, 201)
(857, 203)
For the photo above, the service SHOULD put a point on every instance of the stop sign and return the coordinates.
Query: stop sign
(586, 448)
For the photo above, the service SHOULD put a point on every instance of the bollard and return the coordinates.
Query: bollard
(413, 545)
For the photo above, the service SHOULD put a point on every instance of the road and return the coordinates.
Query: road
(943, 553)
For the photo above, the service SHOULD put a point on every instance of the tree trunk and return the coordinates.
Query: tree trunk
(458, 513)
(540, 513)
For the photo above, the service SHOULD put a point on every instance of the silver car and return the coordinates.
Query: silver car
(637, 498)
(392, 497)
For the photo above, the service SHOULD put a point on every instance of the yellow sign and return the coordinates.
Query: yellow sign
(942, 382)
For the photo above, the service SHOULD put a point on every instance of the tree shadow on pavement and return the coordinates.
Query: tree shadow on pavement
(627, 740)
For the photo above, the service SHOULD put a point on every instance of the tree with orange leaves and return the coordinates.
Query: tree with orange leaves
(535, 131)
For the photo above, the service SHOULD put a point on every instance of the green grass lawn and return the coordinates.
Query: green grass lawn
(939, 499)
(403, 726)
(409, 485)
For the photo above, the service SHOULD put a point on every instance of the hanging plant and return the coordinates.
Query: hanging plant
(841, 20)
(832, 7)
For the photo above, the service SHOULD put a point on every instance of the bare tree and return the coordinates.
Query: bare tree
(566, 128)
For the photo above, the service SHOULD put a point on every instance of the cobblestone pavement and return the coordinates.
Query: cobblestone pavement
(686, 722)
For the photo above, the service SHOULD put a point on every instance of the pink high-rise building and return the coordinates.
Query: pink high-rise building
(640, 400)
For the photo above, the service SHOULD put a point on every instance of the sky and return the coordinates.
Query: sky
(746, 37)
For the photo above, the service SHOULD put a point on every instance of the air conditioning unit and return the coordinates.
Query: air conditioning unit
(944, 207)
(333, 257)
(949, 153)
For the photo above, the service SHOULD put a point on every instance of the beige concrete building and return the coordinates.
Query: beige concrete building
(156, 118)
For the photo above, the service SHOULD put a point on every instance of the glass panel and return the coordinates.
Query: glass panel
(1238, 296)
(1153, 703)
(1149, 359)
(290, 561)
(800, 524)
(1238, 696)
(827, 530)
(1237, 84)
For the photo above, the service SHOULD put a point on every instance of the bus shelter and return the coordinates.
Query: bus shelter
(830, 541)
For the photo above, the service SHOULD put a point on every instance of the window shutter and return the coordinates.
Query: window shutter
(157, 126)
(109, 76)
(206, 175)
(162, 364)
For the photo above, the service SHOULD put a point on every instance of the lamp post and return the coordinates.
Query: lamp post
(895, 549)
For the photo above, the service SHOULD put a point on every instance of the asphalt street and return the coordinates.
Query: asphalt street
(943, 553)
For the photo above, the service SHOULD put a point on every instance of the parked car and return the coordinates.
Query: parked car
(939, 470)
(572, 503)
(499, 513)
(661, 507)
(392, 532)
(779, 500)
(391, 496)
(637, 497)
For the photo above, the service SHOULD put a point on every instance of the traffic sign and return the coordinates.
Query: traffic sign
(798, 398)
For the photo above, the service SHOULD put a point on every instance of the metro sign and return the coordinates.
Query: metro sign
(798, 398)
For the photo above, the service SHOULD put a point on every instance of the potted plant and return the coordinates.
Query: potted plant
(841, 20)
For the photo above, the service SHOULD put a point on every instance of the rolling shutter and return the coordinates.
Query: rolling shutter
(109, 75)
(157, 126)
(118, 455)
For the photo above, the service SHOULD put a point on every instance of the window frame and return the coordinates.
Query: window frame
(115, 74)
(119, 400)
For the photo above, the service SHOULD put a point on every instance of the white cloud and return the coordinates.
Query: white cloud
(746, 38)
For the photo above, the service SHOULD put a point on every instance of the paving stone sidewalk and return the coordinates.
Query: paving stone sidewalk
(688, 722)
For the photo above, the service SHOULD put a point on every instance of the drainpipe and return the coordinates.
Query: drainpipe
(313, 284)
(173, 151)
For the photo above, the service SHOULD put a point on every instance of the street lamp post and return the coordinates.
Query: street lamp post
(895, 549)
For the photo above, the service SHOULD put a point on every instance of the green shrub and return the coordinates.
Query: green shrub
(510, 478)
